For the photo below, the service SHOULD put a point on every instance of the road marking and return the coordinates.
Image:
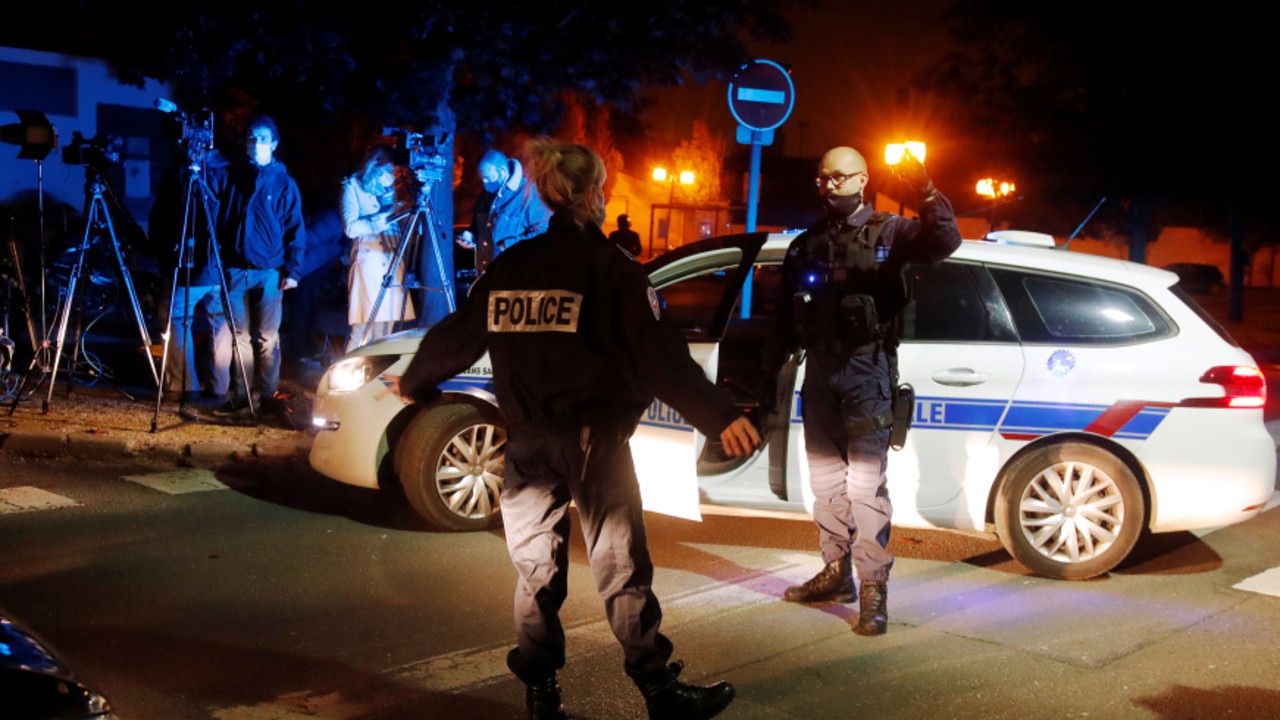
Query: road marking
(179, 482)
(1266, 583)
(27, 499)
(473, 668)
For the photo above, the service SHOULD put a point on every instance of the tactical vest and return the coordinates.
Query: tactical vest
(849, 298)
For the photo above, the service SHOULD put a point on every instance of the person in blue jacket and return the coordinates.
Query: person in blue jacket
(262, 235)
(508, 211)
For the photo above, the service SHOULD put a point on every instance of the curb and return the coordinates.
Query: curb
(200, 454)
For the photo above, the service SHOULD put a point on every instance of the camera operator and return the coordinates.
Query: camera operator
(262, 235)
(368, 204)
(508, 211)
(843, 290)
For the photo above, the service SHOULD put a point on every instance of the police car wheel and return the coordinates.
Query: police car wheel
(450, 466)
(1069, 511)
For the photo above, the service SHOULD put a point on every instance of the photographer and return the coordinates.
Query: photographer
(843, 289)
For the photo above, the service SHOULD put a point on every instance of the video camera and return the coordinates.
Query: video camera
(195, 134)
(423, 154)
(96, 152)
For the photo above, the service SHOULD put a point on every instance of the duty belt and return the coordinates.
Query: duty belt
(858, 427)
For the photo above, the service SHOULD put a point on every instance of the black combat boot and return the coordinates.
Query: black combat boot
(669, 699)
(834, 583)
(543, 700)
(873, 617)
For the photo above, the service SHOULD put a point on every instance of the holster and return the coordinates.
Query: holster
(904, 407)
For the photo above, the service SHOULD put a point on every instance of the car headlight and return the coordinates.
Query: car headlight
(352, 373)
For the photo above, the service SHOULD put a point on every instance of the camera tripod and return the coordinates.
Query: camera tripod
(422, 222)
(97, 223)
(197, 201)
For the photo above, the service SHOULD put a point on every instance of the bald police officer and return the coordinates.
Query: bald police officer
(843, 289)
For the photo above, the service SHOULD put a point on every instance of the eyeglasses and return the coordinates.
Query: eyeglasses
(836, 179)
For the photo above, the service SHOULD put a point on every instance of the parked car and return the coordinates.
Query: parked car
(1068, 401)
(1198, 278)
(35, 684)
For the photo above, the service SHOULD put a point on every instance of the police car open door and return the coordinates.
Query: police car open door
(700, 285)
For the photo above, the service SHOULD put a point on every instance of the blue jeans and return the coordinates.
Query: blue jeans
(187, 302)
(257, 329)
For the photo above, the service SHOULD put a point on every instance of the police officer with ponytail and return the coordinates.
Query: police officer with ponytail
(844, 289)
(580, 346)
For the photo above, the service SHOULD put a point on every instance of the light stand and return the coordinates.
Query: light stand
(36, 137)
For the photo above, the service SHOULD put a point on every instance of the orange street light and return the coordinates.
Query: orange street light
(686, 177)
(992, 188)
(660, 174)
(893, 151)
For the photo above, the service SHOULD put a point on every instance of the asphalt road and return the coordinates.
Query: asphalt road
(262, 591)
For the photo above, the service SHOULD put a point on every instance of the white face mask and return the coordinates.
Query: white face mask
(261, 146)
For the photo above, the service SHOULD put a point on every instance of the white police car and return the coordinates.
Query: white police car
(1066, 400)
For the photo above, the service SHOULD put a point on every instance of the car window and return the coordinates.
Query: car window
(766, 288)
(955, 302)
(692, 302)
(1051, 309)
(694, 291)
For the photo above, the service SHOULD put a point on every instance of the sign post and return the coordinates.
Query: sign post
(761, 98)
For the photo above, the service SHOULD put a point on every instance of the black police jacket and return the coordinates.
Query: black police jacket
(900, 241)
(576, 336)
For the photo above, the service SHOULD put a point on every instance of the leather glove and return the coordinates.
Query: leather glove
(911, 171)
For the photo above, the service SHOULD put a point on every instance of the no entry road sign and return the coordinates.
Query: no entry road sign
(761, 95)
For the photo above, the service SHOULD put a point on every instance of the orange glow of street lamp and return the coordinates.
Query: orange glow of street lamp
(992, 188)
(686, 177)
(893, 152)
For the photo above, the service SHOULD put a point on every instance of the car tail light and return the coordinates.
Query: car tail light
(1245, 387)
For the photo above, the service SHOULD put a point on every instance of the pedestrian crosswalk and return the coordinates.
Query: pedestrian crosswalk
(1266, 583)
(171, 482)
(28, 499)
(182, 481)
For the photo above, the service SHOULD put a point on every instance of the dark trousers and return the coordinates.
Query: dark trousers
(851, 503)
(596, 473)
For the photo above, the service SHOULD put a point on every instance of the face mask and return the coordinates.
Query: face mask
(262, 153)
(842, 205)
(492, 187)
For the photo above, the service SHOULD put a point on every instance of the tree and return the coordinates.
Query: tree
(1150, 109)
(435, 65)
(591, 128)
(703, 153)
(494, 65)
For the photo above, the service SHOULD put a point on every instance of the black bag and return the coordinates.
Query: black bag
(292, 406)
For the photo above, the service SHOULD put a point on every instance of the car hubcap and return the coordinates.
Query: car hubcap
(1071, 512)
(469, 475)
